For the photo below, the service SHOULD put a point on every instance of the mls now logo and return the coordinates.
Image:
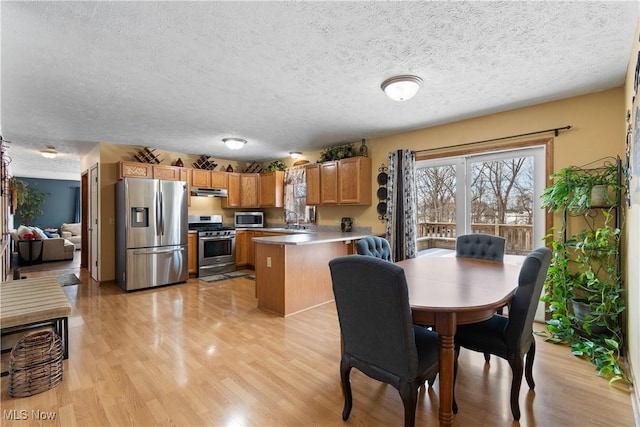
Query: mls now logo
(15, 414)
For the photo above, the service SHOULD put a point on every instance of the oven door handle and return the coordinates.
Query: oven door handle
(208, 239)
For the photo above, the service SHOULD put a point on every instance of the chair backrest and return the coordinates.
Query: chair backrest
(480, 246)
(374, 246)
(525, 300)
(374, 313)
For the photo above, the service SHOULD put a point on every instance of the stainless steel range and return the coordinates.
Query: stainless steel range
(216, 245)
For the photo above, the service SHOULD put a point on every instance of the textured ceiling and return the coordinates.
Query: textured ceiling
(286, 76)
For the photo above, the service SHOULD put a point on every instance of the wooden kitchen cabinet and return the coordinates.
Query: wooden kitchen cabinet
(192, 248)
(249, 190)
(312, 174)
(329, 183)
(201, 178)
(135, 170)
(241, 248)
(251, 247)
(233, 189)
(340, 182)
(271, 189)
(219, 179)
(169, 173)
(354, 181)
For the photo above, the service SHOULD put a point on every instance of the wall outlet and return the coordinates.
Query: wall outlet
(268, 261)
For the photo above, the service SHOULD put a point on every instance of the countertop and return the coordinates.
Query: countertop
(309, 238)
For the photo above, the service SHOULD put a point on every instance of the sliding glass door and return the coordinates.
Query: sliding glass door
(494, 193)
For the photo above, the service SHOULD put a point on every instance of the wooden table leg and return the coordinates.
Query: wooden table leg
(446, 328)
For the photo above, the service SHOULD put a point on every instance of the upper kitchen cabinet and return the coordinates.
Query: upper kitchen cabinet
(329, 183)
(219, 179)
(169, 173)
(242, 191)
(233, 195)
(340, 182)
(249, 190)
(201, 178)
(208, 179)
(354, 181)
(135, 170)
(146, 170)
(313, 184)
(271, 189)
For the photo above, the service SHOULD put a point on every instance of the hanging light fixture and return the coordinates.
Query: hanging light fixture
(295, 154)
(401, 88)
(49, 152)
(234, 143)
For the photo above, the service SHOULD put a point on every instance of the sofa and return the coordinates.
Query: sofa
(71, 232)
(53, 248)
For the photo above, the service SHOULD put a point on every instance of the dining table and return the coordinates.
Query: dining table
(450, 291)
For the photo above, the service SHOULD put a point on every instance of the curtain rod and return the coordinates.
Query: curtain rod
(554, 130)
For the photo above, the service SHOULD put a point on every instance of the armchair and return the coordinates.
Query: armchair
(72, 233)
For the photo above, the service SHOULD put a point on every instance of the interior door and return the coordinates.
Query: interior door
(93, 222)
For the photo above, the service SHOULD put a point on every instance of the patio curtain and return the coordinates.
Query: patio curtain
(401, 204)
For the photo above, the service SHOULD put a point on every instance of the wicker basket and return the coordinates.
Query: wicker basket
(35, 364)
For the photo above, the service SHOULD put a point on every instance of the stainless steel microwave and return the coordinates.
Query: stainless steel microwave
(249, 220)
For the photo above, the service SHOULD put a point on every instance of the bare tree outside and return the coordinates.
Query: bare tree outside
(501, 199)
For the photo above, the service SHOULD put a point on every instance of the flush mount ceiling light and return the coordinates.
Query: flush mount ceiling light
(49, 152)
(401, 88)
(295, 154)
(234, 143)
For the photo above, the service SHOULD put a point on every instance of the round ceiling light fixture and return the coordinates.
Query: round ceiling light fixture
(234, 143)
(401, 88)
(295, 154)
(49, 152)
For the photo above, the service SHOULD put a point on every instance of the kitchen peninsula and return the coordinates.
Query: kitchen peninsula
(292, 270)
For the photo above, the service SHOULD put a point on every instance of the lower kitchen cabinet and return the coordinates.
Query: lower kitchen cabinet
(192, 248)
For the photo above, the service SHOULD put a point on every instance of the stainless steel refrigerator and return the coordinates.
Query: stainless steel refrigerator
(151, 233)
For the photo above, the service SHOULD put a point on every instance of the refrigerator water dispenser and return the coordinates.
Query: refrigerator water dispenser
(139, 217)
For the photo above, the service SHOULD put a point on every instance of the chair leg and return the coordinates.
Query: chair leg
(528, 369)
(454, 404)
(487, 357)
(515, 361)
(409, 395)
(345, 371)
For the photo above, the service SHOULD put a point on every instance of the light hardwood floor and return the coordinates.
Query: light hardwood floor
(203, 354)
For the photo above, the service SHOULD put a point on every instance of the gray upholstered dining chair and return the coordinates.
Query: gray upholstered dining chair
(511, 337)
(374, 246)
(378, 336)
(480, 246)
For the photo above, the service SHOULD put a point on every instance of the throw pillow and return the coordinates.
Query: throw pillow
(40, 233)
(22, 230)
(48, 234)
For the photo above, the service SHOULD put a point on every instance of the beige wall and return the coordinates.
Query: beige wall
(631, 233)
(596, 133)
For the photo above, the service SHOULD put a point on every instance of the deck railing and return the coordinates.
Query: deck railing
(443, 235)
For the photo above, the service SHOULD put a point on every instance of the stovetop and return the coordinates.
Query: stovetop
(207, 223)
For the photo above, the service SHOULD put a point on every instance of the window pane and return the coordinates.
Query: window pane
(502, 201)
(436, 204)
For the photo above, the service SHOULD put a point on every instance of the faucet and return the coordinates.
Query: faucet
(287, 214)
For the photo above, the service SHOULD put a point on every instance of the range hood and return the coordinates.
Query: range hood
(209, 192)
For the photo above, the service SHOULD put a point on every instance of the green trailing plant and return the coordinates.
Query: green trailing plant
(573, 188)
(338, 152)
(584, 270)
(29, 206)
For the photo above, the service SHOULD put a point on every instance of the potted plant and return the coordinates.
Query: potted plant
(576, 189)
(29, 202)
(583, 290)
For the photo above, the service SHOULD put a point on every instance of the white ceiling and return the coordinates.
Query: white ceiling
(286, 76)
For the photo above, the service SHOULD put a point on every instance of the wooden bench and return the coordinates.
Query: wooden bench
(34, 303)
